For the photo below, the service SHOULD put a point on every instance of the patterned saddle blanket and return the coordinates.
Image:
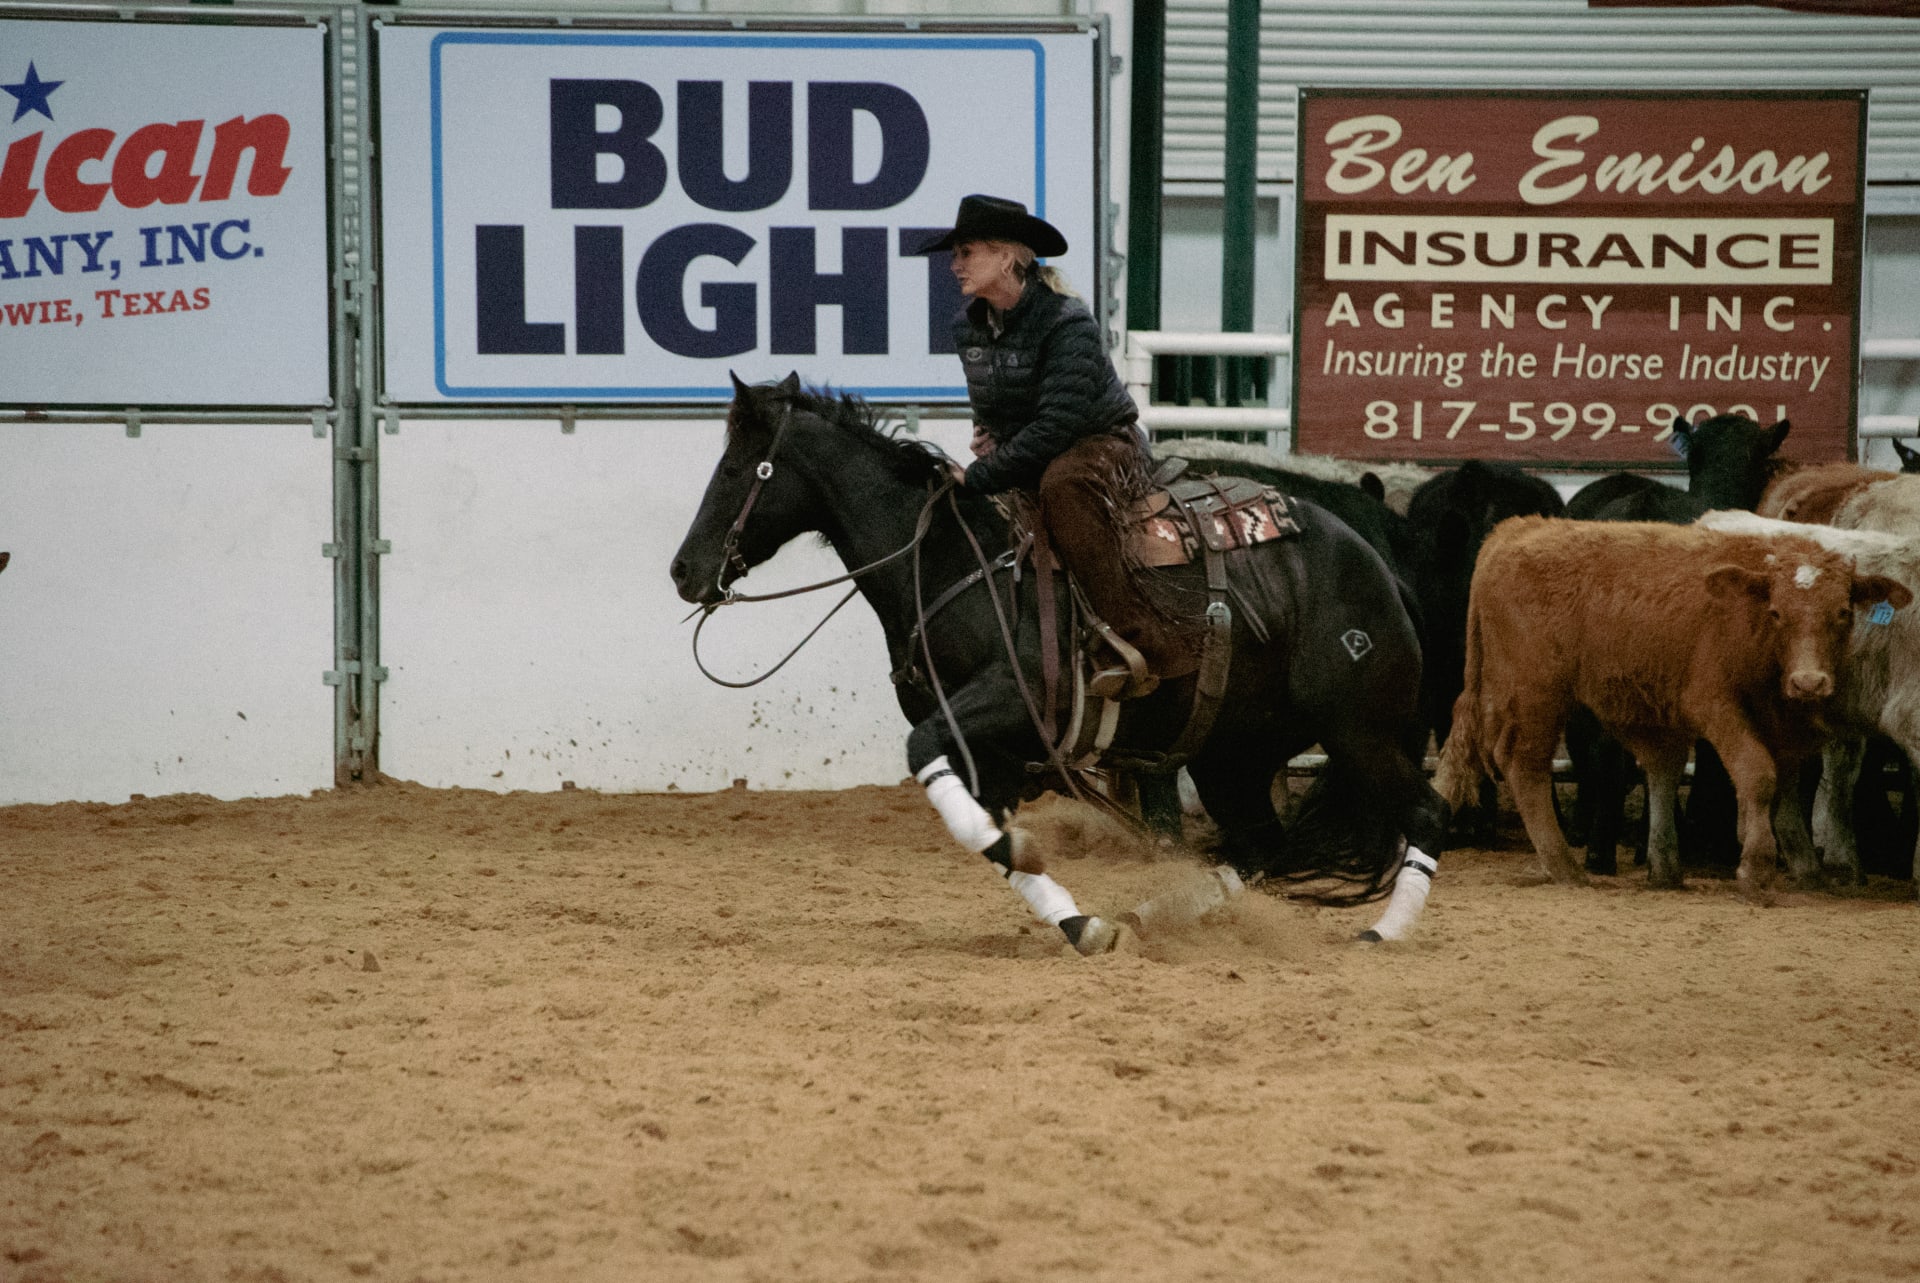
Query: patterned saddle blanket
(1175, 524)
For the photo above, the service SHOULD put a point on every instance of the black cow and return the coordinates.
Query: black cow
(1451, 516)
(1730, 461)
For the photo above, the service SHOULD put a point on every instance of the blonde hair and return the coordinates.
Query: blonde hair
(1025, 264)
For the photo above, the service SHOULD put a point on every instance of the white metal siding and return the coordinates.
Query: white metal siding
(1532, 44)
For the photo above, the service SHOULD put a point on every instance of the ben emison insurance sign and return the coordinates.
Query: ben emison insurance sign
(1551, 278)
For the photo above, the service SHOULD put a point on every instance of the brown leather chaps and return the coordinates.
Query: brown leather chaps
(1083, 497)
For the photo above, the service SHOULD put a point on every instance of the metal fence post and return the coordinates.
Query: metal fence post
(1145, 162)
(1242, 163)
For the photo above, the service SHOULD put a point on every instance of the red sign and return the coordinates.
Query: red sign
(1550, 278)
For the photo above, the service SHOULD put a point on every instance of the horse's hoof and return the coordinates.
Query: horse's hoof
(1192, 900)
(1370, 936)
(1091, 936)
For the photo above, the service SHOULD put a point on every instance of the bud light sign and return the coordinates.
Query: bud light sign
(576, 216)
(163, 215)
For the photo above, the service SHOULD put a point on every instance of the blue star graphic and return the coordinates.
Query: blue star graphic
(32, 93)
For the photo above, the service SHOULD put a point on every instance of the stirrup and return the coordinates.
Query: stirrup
(1128, 682)
(1120, 683)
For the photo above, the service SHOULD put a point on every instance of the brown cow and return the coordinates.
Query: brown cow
(1812, 495)
(1668, 634)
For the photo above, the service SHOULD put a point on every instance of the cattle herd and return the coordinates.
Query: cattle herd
(1757, 626)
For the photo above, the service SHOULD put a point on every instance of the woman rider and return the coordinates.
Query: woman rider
(1052, 418)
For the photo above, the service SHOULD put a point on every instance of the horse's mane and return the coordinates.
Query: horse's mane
(908, 458)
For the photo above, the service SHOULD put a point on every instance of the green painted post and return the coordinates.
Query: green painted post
(1242, 161)
(1146, 160)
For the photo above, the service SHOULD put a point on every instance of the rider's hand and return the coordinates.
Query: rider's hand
(982, 444)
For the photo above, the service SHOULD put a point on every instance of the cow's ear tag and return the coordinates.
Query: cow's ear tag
(1882, 613)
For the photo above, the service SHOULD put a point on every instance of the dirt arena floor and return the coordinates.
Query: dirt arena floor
(412, 1034)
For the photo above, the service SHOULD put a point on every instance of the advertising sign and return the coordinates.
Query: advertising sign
(1550, 278)
(163, 220)
(629, 215)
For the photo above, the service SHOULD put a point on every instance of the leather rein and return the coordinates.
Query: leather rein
(730, 557)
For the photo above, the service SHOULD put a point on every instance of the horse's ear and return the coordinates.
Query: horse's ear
(1777, 434)
(790, 386)
(739, 388)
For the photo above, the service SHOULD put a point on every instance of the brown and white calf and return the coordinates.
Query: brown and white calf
(1879, 683)
(1668, 634)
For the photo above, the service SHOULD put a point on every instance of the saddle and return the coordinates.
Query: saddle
(1185, 516)
(1182, 519)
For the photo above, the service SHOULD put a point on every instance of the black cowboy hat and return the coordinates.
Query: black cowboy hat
(990, 218)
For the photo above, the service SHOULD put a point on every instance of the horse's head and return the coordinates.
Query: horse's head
(756, 499)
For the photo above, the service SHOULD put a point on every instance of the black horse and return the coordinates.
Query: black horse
(1323, 652)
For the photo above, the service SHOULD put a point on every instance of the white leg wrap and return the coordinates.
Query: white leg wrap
(966, 819)
(1049, 900)
(1409, 896)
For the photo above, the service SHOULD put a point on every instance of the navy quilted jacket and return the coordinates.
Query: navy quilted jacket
(1039, 386)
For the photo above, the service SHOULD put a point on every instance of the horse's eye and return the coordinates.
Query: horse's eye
(732, 471)
(1773, 613)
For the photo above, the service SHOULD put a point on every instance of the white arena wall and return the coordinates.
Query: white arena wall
(532, 636)
(168, 614)
(165, 621)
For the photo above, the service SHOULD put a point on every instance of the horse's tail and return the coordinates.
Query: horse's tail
(1463, 758)
(1341, 843)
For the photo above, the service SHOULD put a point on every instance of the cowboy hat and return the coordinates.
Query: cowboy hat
(991, 218)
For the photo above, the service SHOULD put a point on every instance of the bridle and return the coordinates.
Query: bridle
(730, 558)
(730, 546)
(944, 489)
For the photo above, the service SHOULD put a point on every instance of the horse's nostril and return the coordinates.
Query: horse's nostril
(679, 571)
